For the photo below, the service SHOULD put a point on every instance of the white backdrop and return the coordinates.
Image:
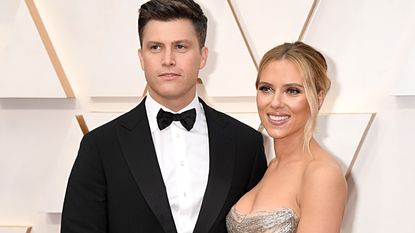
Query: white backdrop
(368, 44)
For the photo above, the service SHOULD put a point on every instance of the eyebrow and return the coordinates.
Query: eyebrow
(182, 41)
(151, 43)
(285, 85)
(173, 42)
(293, 85)
(264, 83)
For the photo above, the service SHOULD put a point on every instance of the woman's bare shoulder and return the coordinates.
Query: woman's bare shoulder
(324, 171)
(323, 195)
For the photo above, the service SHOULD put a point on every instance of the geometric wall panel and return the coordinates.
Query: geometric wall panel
(93, 120)
(405, 83)
(100, 43)
(230, 70)
(279, 21)
(117, 70)
(342, 135)
(26, 68)
(56, 185)
(14, 229)
(106, 45)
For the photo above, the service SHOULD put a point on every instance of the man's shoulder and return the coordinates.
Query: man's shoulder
(127, 119)
(231, 122)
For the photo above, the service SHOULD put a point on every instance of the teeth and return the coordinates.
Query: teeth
(278, 118)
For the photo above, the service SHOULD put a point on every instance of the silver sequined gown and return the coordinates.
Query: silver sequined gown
(282, 220)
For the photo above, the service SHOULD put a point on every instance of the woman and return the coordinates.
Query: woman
(303, 189)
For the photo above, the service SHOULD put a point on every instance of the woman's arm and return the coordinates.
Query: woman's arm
(322, 199)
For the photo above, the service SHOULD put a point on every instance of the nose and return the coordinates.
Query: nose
(168, 57)
(277, 100)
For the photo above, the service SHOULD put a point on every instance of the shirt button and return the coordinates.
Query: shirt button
(177, 135)
(182, 163)
(184, 194)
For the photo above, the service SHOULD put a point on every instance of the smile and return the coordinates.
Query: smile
(278, 119)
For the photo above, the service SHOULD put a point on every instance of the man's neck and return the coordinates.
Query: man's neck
(174, 105)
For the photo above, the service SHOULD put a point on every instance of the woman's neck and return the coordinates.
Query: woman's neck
(290, 148)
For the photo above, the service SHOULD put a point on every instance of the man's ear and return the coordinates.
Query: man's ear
(204, 52)
(320, 97)
(140, 55)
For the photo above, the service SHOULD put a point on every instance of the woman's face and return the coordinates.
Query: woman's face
(281, 100)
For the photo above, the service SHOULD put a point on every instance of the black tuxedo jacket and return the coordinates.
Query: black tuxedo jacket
(116, 185)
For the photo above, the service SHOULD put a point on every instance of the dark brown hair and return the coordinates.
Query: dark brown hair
(168, 10)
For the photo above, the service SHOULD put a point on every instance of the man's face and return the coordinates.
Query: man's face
(171, 58)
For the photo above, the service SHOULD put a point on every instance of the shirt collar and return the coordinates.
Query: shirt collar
(153, 107)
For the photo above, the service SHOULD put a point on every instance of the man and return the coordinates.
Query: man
(154, 170)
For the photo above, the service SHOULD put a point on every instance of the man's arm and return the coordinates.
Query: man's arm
(84, 208)
(260, 164)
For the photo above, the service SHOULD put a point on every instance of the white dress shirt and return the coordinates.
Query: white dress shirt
(183, 157)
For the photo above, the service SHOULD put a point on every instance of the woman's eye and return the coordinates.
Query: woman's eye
(293, 91)
(265, 89)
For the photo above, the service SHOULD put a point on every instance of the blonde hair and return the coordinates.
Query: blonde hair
(313, 70)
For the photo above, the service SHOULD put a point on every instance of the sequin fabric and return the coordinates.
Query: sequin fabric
(282, 220)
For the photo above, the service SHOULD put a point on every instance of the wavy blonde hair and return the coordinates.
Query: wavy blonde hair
(313, 70)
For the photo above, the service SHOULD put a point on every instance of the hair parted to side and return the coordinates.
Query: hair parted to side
(313, 70)
(168, 10)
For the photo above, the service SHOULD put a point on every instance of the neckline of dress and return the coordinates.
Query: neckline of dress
(265, 212)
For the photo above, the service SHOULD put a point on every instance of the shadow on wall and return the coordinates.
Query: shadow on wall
(350, 211)
(37, 103)
(54, 218)
(210, 42)
(405, 102)
(334, 88)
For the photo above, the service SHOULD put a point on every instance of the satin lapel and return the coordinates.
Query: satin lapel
(138, 149)
(222, 158)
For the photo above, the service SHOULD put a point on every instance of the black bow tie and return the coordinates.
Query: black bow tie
(187, 118)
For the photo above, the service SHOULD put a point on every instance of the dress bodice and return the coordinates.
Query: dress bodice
(282, 220)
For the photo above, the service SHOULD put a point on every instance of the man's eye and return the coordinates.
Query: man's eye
(154, 47)
(265, 89)
(181, 46)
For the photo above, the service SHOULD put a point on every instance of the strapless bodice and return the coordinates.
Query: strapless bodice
(282, 220)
